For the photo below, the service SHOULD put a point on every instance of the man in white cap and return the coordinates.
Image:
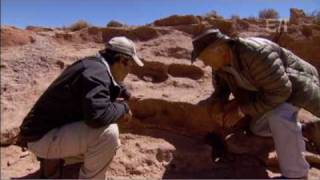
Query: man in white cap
(77, 115)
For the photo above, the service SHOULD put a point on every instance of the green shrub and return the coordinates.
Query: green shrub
(79, 25)
(114, 23)
(213, 14)
(316, 15)
(268, 14)
(235, 17)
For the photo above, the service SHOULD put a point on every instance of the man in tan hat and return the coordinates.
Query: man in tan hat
(78, 114)
(270, 84)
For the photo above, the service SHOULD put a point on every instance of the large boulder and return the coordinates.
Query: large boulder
(242, 24)
(176, 20)
(225, 26)
(192, 29)
(144, 33)
(170, 118)
(141, 33)
(296, 15)
(305, 44)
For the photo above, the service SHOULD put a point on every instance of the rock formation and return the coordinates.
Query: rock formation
(166, 139)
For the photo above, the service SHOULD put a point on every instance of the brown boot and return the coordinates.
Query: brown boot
(51, 168)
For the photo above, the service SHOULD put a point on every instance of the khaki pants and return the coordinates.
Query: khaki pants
(281, 123)
(96, 146)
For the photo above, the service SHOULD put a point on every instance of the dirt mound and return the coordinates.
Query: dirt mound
(12, 36)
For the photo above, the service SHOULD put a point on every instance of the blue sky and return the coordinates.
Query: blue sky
(54, 13)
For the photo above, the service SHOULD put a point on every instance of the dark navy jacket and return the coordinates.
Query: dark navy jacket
(83, 92)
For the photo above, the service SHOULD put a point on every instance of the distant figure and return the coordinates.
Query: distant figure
(77, 115)
(270, 84)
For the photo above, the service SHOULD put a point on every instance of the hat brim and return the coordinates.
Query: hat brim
(196, 52)
(137, 60)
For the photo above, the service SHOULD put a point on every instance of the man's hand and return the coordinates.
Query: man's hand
(125, 94)
(126, 118)
(232, 114)
(134, 99)
(216, 112)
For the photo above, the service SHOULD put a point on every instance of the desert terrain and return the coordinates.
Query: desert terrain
(166, 138)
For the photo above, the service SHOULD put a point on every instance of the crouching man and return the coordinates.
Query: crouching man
(270, 84)
(78, 114)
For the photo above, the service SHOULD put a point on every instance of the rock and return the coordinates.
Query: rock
(60, 64)
(144, 33)
(305, 48)
(306, 31)
(190, 71)
(225, 26)
(64, 36)
(158, 72)
(242, 24)
(252, 20)
(8, 136)
(296, 15)
(245, 143)
(178, 117)
(38, 29)
(166, 137)
(108, 33)
(12, 36)
(192, 29)
(176, 20)
(91, 34)
(164, 154)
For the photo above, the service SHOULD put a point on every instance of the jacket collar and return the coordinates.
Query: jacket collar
(103, 60)
(235, 60)
(235, 69)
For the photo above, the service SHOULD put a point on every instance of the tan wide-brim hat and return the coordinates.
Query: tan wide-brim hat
(203, 40)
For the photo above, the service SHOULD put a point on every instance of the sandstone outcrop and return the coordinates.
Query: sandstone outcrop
(176, 20)
(166, 139)
(11, 36)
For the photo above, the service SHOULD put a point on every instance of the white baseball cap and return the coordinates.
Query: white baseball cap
(126, 46)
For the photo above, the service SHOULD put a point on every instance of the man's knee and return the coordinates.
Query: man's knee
(284, 120)
(283, 116)
(110, 136)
